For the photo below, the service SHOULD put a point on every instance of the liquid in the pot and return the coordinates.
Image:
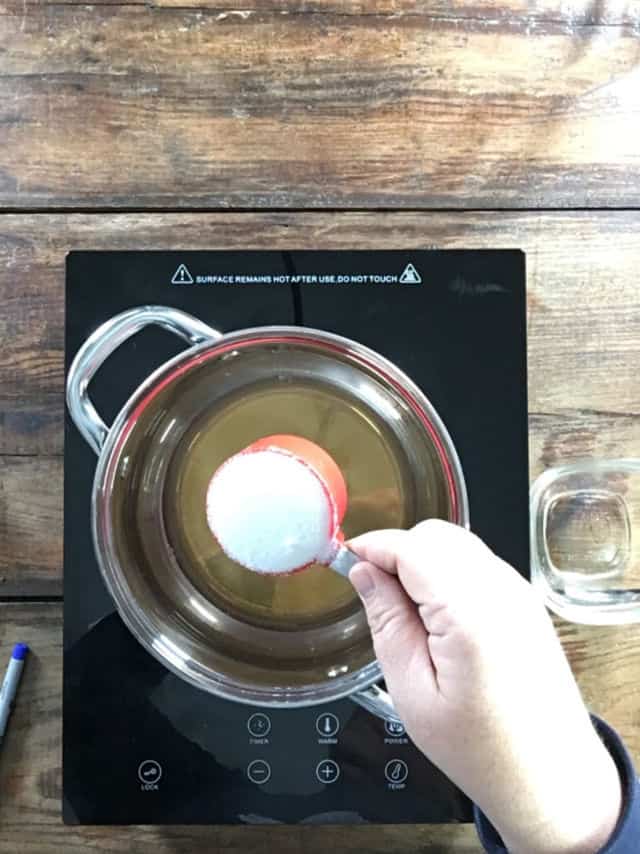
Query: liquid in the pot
(281, 632)
(364, 447)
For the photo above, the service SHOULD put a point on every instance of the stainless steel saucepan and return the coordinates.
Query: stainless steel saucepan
(270, 641)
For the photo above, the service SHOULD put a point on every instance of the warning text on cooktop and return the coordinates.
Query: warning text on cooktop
(408, 276)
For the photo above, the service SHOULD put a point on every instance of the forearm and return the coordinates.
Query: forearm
(607, 820)
(576, 809)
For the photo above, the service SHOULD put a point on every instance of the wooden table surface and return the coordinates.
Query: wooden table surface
(308, 124)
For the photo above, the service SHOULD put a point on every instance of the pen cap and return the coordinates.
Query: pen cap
(20, 651)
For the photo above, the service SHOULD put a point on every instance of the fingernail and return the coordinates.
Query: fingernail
(363, 581)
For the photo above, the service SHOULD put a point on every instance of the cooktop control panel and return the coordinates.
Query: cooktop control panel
(173, 754)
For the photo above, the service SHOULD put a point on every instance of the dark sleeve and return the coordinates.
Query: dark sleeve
(626, 836)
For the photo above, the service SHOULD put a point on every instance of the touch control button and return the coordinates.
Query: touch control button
(327, 771)
(327, 725)
(149, 772)
(396, 771)
(394, 728)
(259, 771)
(259, 725)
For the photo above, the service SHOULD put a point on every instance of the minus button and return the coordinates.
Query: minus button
(259, 771)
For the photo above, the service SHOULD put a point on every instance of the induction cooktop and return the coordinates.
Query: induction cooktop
(141, 746)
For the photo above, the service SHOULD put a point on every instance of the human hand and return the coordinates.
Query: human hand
(480, 680)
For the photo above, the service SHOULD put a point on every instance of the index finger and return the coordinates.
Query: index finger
(435, 560)
(382, 548)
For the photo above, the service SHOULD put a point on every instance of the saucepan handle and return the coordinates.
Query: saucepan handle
(101, 344)
(377, 701)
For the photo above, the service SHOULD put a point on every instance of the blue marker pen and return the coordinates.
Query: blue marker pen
(10, 684)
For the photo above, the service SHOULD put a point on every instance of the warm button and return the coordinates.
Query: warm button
(327, 725)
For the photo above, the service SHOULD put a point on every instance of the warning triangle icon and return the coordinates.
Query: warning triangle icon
(410, 276)
(182, 276)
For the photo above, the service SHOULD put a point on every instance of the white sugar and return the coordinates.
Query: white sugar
(269, 512)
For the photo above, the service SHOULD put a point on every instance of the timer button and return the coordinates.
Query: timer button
(259, 725)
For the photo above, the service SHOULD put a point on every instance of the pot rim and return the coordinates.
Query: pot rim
(138, 621)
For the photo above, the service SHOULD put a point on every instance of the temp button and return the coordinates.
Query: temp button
(259, 771)
(396, 771)
(327, 771)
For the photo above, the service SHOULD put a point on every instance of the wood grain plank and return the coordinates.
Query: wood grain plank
(604, 661)
(142, 106)
(30, 526)
(575, 13)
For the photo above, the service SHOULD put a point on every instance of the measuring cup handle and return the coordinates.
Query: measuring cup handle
(343, 561)
(377, 701)
(101, 344)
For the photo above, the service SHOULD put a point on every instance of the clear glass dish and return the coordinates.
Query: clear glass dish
(585, 540)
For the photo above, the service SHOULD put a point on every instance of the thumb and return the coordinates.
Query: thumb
(399, 637)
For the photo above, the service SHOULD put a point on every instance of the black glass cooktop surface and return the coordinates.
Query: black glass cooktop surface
(141, 746)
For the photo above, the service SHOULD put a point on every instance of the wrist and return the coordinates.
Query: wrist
(574, 810)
